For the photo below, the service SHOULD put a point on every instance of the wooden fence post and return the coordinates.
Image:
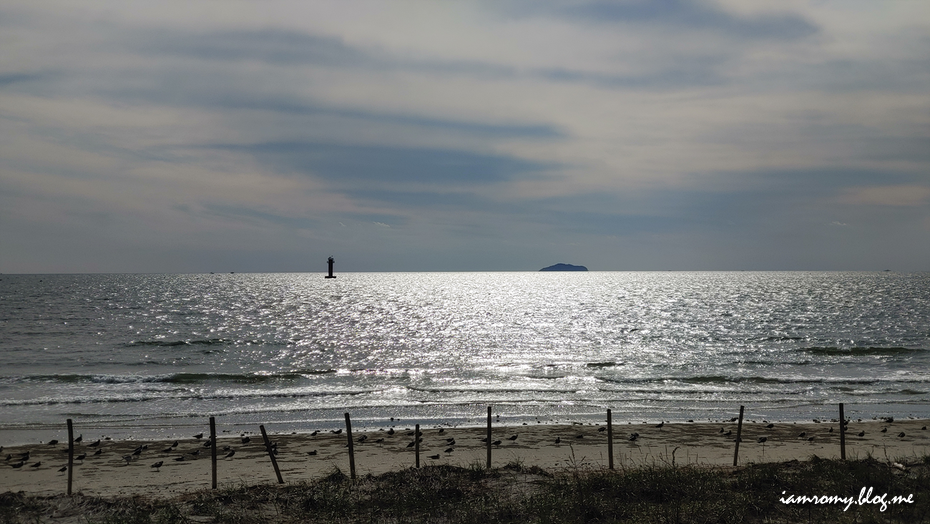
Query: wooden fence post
(489, 437)
(610, 441)
(351, 447)
(842, 433)
(416, 444)
(739, 434)
(70, 455)
(274, 461)
(213, 447)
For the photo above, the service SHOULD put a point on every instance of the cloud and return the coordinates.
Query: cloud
(487, 135)
(899, 195)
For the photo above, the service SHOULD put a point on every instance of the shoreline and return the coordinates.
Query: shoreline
(581, 446)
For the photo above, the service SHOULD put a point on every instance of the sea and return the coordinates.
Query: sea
(146, 356)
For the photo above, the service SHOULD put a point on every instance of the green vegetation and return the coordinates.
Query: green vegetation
(656, 494)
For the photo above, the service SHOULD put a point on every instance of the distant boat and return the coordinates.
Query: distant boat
(564, 267)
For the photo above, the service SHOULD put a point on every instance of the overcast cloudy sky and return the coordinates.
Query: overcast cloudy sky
(200, 136)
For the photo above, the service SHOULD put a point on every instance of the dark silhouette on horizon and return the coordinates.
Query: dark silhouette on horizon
(564, 267)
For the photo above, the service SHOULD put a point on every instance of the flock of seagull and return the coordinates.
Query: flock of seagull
(21, 460)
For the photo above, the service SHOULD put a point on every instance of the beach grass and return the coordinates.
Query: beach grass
(515, 493)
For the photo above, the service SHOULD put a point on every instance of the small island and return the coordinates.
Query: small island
(564, 267)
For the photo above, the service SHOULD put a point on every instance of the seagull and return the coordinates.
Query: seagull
(770, 426)
(337, 431)
(198, 436)
(231, 453)
(496, 443)
(127, 458)
(660, 424)
(449, 450)
(99, 451)
(180, 459)
(728, 433)
(36, 465)
(315, 432)
(762, 440)
(862, 433)
(390, 431)
(803, 434)
(157, 465)
(95, 443)
(601, 429)
(434, 457)
(363, 438)
(884, 430)
(901, 435)
(558, 440)
(79, 439)
(245, 440)
(52, 442)
(633, 437)
(18, 465)
(379, 441)
(810, 439)
(63, 469)
(442, 430)
(174, 444)
(512, 438)
(411, 444)
(450, 441)
(81, 457)
(311, 453)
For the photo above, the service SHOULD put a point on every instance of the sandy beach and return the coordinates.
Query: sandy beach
(186, 465)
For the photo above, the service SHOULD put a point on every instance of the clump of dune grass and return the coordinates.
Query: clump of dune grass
(516, 493)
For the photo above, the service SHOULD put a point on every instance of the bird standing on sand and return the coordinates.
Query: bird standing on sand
(434, 457)
(558, 440)
(36, 465)
(79, 438)
(198, 436)
(496, 443)
(157, 465)
(18, 465)
(63, 469)
(231, 453)
(512, 438)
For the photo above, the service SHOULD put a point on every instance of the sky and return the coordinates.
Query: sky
(628, 135)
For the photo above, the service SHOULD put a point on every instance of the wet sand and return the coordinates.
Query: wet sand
(579, 446)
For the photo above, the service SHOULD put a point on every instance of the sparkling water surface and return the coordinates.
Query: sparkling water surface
(153, 355)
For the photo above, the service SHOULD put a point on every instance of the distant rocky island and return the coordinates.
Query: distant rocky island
(564, 267)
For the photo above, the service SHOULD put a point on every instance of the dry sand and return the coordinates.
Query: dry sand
(580, 446)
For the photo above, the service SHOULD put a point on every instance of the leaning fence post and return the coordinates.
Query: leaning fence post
(739, 432)
(213, 447)
(70, 455)
(489, 437)
(842, 433)
(610, 441)
(274, 461)
(351, 447)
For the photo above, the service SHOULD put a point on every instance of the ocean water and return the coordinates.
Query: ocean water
(155, 355)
